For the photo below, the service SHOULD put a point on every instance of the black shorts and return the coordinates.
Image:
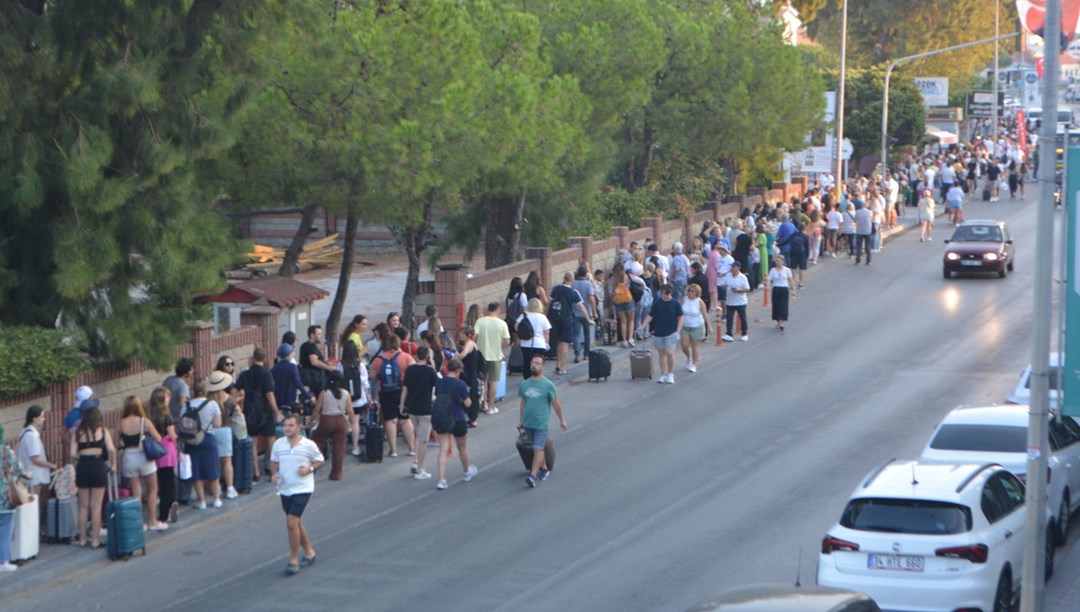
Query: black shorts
(461, 428)
(294, 505)
(269, 429)
(390, 404)
(797, 261)
(91, 472)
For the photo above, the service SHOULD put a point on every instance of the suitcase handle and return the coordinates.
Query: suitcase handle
(113, 485)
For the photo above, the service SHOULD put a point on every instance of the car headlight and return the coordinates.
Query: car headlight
(952, 256)
(990, 256)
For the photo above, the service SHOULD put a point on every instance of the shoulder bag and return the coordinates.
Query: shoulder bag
(151, 448)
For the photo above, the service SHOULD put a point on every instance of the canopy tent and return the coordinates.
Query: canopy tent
(942, 137)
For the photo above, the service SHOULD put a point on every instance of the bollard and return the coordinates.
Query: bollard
(765, 290)
(719, 321)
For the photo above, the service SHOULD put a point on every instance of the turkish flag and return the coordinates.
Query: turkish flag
(1033, 14)
(1040, 64)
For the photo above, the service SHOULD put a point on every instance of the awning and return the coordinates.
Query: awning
(942, 136)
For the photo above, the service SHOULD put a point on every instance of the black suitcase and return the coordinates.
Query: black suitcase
(526, 452)
(374, 437)
(243, 465)
(599, 364)
(986, 195)
(553, 342)
(515, 363)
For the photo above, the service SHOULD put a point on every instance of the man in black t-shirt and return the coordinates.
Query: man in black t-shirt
(261, 412)
(420, 379)
(313, 366)
(993, 173)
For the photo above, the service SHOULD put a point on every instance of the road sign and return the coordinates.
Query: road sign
(981, 104)
(847, 149)
(1031, 78)
(1070, 401)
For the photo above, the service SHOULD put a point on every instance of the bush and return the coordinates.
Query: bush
(37, 357)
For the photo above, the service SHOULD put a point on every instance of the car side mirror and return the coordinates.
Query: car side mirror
(946, 242)
(1009, 241)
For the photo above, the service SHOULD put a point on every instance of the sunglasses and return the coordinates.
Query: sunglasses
(229, 363)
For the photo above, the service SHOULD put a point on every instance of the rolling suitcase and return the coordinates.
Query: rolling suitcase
(61, 519)
(500, 387)
(553, 342)
(243, 464)
(641, 365)
(124, 523)
(375, 439)
(599, 364)
(515, 363)
(24, 542)
(525, 451)
(986, 194)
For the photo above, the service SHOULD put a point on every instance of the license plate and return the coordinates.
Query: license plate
(970, 263)
(896, 563)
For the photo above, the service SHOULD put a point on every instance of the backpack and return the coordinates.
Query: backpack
(74, 416)
(622, 294)
(390, 374)
(442, 412)
(189, 427)
(514, 309)
(558, 310)
(525, 330)
(637, 290)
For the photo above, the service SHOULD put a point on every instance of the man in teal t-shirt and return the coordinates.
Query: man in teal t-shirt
(538, 397)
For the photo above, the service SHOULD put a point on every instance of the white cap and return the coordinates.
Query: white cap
(82, 394)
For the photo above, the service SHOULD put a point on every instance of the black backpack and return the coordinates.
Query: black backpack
(514, 309)
(525, 329)
(442, 412)
(189, 426)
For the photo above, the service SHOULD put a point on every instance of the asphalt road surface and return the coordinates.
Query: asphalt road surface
(662, 495)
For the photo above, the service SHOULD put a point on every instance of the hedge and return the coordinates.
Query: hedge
(36, 357)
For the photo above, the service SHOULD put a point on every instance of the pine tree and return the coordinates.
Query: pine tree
(109, 111)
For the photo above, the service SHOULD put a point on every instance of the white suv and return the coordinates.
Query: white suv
(917, 536)
(999, 434)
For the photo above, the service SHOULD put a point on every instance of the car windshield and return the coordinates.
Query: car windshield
(977, 233)
(984, 438)
(918, 516)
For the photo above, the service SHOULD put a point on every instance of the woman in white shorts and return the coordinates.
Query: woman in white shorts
(134, 426)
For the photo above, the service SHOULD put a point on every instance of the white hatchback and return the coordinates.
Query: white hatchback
(917, 536)
(999, 434)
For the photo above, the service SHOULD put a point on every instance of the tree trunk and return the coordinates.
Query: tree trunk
(502, 236)
(292, 254)
(414, 239)
(629, 182)
(347, 257)
(646, 156)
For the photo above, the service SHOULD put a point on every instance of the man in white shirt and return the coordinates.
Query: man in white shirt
(293, 460)
(738, 285)
(723, 268)
(664, 264)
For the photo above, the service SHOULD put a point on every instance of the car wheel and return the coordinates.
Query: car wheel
(1001, 273)
(1010, 265)
(1050, 548)
(1063, 520)
(945, 272)
(1003, 594)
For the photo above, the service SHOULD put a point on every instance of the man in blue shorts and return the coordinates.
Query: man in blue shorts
(293, 462)
(538, 398)
(566, 305)
(666, 317)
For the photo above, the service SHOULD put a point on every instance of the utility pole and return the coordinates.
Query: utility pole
(1032, 594)
(840, 105)
(994, 85)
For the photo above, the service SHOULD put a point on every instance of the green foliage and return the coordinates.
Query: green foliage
(862, 110)
(608, 208)
(35, 357)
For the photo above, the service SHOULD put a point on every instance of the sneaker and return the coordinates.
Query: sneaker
(8, 567)
(414, 468)
(531, 481)
(200, 506)
(356, 451)
(745, 338)
(493, 410)
(217, 503)
(159, 526)
(470, 473)
(728, 338)
(231, 493)
(393, 455)
(670, 379)
(412, 453)
(441, 486)
(691, 368)
(544, 473)
(292, 569)
(631, 343)
(421, 475)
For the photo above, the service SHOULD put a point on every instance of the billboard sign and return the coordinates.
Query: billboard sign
(935, 91)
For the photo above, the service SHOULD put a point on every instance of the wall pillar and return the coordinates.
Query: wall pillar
(265, 318)
(622, 234)
(542, 255)
(656, 228)
(585, 244)
(202, 333)
(450, 297)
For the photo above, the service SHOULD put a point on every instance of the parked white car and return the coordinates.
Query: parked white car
(999, 434)
(931, 536)
(1022, 392)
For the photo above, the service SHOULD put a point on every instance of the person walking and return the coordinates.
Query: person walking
(453, 391)
(926, 216)
(538, 398)
(333, 411)
(293, 461)
(781, 280)
(847, 230)
(954, 200)
(492, 336)
(667, 319)
(695, 325)
(738, 286)
(864, 227)
(416, 394)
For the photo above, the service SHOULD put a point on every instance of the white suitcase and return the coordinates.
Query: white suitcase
(24, 545)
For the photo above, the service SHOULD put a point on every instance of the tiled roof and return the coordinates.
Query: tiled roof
(283, 292)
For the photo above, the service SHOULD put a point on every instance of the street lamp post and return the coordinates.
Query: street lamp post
(994, 85)
(840, 105)
(888, 77)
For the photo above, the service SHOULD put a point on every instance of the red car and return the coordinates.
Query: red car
(979, 246)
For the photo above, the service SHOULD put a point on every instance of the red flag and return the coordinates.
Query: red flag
(1039, 63)
(1021, 131)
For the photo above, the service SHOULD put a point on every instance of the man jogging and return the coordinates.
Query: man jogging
(293, 461)
(538, 397)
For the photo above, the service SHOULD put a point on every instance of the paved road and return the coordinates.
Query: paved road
(662, 495)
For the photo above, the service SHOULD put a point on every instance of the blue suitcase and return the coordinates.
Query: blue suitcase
(124, 522)
(243, 465)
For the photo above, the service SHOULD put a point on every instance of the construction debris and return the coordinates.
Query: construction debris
(267, 260)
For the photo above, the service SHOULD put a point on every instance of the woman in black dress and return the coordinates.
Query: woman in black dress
(469, 354)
